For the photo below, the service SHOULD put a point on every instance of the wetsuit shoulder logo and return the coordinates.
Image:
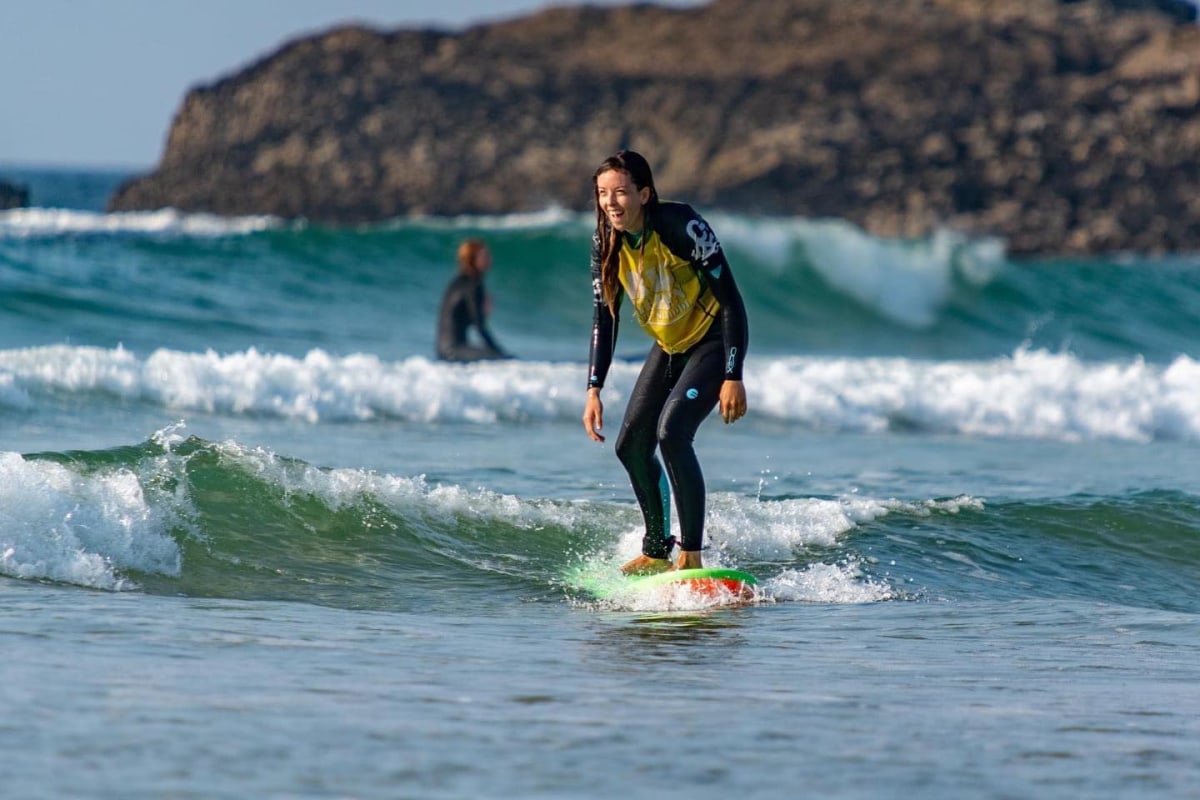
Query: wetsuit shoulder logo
(704, 241)
(692, 394)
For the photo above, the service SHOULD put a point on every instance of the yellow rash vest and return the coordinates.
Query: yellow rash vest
(670, 300)
(677, 281)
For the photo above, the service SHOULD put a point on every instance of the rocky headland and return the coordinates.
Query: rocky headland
(13, 196)
(1063, 127)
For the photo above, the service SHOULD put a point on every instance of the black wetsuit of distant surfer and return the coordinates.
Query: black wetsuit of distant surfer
(679, 283)
(464, 307)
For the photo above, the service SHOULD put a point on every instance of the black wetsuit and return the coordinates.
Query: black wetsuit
(679, 385)
(462, 309)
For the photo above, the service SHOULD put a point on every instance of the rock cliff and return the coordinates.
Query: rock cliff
(1060, 126)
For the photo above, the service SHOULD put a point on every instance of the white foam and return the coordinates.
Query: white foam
(551, 217)
(906, 281)
(1031, 394)
(741, 530)
(775, 530)
(778, 529)
(841, 584)
(25, 223)
(58, 525)
(357, 387)
(317, 387)
(340, 488)
(11, 395)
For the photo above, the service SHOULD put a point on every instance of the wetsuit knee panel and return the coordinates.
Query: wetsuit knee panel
(634, 444)
(674, 432)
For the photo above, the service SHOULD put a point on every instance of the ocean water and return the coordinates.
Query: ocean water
(255, 542)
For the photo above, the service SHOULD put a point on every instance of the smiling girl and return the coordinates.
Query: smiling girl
(665, 258)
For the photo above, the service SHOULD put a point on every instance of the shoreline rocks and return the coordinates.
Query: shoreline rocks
(1063, 127)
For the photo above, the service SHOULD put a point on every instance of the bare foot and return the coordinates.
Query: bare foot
(688, 559)
(645, 565)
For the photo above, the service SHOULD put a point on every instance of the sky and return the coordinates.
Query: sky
(95, 83)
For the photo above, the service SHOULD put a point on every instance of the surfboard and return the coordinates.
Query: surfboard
(714, 582)
(712, 586)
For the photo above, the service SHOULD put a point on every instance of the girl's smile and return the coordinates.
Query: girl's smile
(621, 200)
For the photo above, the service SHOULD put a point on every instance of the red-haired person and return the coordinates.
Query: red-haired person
(465, 305)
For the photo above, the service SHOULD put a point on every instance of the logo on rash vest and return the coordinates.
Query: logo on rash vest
(657, 299)
(704, 240)
(692, 394)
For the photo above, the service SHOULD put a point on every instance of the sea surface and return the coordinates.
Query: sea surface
(256, 543)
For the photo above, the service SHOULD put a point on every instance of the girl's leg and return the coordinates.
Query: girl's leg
(635, 449)
(692, 399)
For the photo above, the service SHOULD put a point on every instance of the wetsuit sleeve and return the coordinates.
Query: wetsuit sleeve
(479, 320)
(689, 236)
(604, 325)
(734, 329)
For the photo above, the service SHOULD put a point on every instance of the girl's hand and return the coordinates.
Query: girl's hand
(732, 401)
(593, 416)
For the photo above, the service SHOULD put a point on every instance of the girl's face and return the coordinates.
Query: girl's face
(621, 200)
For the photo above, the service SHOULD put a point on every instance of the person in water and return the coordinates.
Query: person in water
(466, 304)
(665, 258)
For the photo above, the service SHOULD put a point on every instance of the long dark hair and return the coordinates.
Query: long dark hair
(638, 169)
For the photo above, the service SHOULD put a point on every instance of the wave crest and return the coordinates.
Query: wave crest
(1032, 394)
(32, 223)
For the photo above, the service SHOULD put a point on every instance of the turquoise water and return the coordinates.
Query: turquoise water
(255, 542)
